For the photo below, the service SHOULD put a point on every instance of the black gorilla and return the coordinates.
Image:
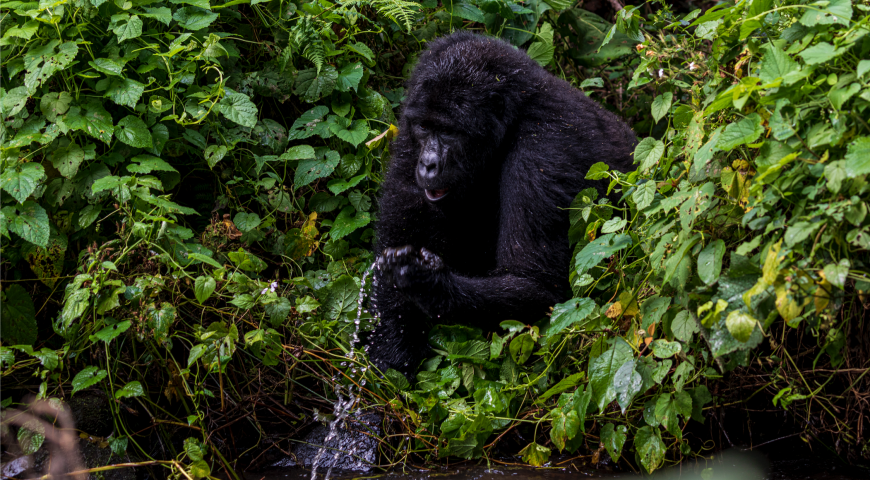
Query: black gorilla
(473, 223)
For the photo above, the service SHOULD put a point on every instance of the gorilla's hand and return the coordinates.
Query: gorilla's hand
(411, 271)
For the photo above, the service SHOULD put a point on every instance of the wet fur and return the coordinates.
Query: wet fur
(501, 242)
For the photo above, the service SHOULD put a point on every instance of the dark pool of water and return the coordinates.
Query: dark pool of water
(732, 464)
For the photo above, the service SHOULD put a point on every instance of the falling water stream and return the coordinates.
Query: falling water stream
(344, 404)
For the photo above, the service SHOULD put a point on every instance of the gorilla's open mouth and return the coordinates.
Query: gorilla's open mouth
(435, 195)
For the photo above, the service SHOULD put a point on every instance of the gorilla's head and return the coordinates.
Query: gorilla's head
(459, 109)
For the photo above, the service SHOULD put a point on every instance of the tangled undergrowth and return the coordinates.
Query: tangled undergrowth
(188, 191)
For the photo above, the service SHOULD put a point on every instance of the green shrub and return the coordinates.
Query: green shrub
(189, 190)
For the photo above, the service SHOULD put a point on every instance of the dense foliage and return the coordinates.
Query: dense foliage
(188, 191)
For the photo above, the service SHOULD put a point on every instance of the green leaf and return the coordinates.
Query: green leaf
(31, 436)
(827, 12)
(239, 108)
(613, 439)
(840, 96)
(665, 349)
(125, 92)
(858, 157)
(342, 297)
(564, 384)
(203, 288)
(149, 163)
(747, 130)
(836, 273)
(14, 101)
(109, 333)
(362, 50)
(32, 224)
(132, 389)
(603, 368)
(644, 195)
(565, 427)
(710, 262)
(627, 383)
(247, 261)
(355, 134)
(521, 348)
(132, 28)
(684, 326)
(800, 231)
(67, 160)
(25, 31)
(775, 64)
(648, 152)
(649, 447)
(740, 325)
(542, 53)
(87, 377)
(133, 131)
(535, 455)
(246, 221)
(821, 53)
(22, 182)
(54, 104)
(19, 316)
(467, 11)
(598, 250)
(347, 221)
(96, 121)
(349, 77)
(597, 171)
(194, 19)
(312, 85)
(161, 14)
(660, 106)
(107, 66)
(569, 313)
(118, 445)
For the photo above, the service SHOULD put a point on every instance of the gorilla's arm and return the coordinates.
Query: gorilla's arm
(438, 292)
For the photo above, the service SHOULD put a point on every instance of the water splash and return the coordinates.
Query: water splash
(343, 406)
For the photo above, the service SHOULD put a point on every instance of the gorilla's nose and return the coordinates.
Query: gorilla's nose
(428, 167)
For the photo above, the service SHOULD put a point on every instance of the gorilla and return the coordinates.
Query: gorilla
(473, 225)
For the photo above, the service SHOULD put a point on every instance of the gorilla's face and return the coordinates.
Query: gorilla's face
(456, 135)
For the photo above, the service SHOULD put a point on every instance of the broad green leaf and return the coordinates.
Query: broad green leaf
(599, 249)
(194, 19)
(362, 50)
(644, 195)
(347, 221)
(107, 66)
(615, 224)
(800, 231)
(775, 64)
(25, 31)
(564, 384)
(54, 104)
(746, 130)
(627, 383)
(574, 311)
(535, 455)
(132, 389)
(840, 96)
(650, 448)
(660, 106)
(542, 53)
(312, 85)
(148, 163)
(740, 325)
(565, 427)
(20, 183)
(467, 11)
(239, 108)
(648, 152)
(107, 334)
(827, 12)
(161, 14)
(349, 77)
(665, 349)
(821, 53)
(710, 262)
(354, 134)
(613, 439)
(521, 348)
(126, 92)
(684, 326)
(836, 273)
(88, 377)
(132, 28)
(67, 160)
(597, 171)
(203, 288)
(246, 221)
(603, 369)
(14, 100)
(247, 261)
(133, 131)
(299, 152)
(31, 436)
(96, 121)
(858, 157)
(32, 224)
(19, 316)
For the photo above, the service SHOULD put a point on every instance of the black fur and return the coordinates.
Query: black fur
(514, 144)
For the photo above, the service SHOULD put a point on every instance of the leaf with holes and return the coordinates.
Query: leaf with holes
(348, 221)
(32, 223)
(22, 182)
(574, 311)
(67, 160)
(88, 377)
(133, 131)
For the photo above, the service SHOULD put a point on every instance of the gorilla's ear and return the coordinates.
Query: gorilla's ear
(496, 103)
